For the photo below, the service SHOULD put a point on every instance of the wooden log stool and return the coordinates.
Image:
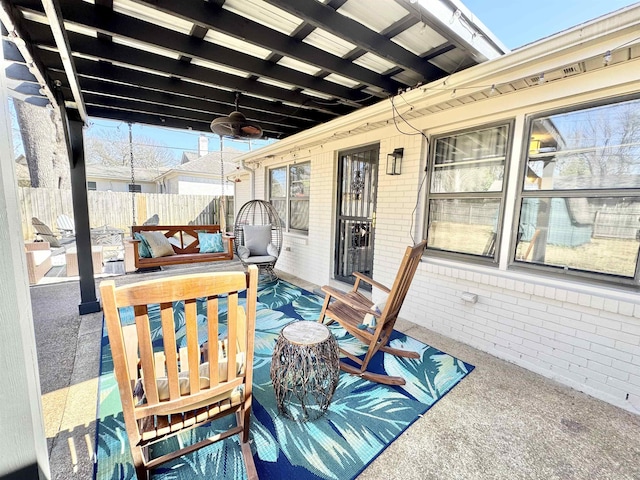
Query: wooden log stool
(305, 368)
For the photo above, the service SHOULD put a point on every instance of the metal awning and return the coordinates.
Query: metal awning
(295, 63)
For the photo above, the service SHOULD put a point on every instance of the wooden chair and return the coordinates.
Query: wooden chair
(189, 386)
(350, 309)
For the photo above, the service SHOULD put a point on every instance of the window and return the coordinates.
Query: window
(580, 193)
(464, 204)
(135, 188)
(92, 186)
(289, 194)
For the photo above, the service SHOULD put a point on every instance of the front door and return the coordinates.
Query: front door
(356, 218)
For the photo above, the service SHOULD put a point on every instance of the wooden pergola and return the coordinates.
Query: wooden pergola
(288, 65)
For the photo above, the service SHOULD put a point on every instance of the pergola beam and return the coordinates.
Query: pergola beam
(328, 19)
(54, 16)
(221, 20)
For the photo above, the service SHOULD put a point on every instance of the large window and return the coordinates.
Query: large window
(464, 204)
(580, 193)
(289, 194)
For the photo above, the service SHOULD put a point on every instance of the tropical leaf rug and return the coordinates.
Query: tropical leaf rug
(362, 420)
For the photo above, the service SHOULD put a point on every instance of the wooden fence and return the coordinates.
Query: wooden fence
(116, 208)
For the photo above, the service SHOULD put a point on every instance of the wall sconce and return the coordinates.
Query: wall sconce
(394, 162)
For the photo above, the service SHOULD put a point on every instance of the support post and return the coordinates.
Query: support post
(75, 147)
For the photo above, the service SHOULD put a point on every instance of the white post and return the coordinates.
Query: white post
(23, 444)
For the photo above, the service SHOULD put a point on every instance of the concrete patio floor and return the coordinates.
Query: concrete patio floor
(501, 422)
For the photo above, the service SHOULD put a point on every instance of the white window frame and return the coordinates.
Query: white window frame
(288, 199)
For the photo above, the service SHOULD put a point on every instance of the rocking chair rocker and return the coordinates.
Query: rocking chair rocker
(350, 309)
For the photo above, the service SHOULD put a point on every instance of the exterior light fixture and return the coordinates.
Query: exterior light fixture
(394, 162)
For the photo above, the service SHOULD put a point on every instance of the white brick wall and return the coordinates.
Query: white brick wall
(545, 327)
(584, 336)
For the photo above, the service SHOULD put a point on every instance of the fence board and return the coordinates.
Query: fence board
(115, 208)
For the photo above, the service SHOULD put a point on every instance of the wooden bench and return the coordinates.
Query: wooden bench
(184, 240)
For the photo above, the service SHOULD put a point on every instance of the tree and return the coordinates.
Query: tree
(111, 147)
(44, 148)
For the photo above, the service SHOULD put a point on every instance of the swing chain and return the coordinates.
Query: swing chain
(133, 178)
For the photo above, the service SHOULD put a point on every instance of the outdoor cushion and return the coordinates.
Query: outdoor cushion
(243, 252)
(143, 246)
(159, 245)
(259, 259)
(272, 250)
(210, 242)
(40, 256)
(256, 238)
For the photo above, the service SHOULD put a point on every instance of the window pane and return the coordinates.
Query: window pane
(281, 207)
(593, 234)
(470, 162)
(463, 225)
(300, 215)
(278, 182)
(300, 177)
(593, 148)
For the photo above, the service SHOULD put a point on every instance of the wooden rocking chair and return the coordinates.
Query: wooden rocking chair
(165, 389)
(350, 309)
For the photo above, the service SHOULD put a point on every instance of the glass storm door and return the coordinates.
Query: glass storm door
(356, 218)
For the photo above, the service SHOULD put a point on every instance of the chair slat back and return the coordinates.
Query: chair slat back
(402, 282)
(161, 367)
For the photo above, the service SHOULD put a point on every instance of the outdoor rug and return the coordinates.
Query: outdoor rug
(362, 420)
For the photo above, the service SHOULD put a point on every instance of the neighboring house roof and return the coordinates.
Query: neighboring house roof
(124, 173)
(207, 165)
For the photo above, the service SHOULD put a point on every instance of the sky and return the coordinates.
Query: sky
(518, 22)
(514, 22)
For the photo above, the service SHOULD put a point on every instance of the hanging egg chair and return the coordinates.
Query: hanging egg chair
(258, 237)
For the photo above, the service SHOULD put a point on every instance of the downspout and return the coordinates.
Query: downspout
(252, 178)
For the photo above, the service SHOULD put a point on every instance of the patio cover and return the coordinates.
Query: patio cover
(291, 64)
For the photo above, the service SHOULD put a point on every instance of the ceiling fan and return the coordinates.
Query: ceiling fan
(236, 125)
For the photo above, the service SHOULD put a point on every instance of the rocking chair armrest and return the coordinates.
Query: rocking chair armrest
(344, 298)
(371, 282)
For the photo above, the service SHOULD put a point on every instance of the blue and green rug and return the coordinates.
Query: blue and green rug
(363, 418)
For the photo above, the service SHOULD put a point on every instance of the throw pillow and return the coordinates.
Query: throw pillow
(143, 246)
(210, 242)
(256, 238)
(243, 252)
(272, 250)
(370, 320)
(159, 245)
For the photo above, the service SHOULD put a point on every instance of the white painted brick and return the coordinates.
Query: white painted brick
(556, 327)
(553, 360)
(509, 337)
(618, 335)
(532, 304)
(611, 352)
(584, 299)
(610, 390)
(625, 367)
(543, 332)
(538, 290)
(572, 297)
(556, 345)
(636, 311)
(538, 347)
(635, 380)
(504, 298)
(609, 371)
(624, 386)
(561, 295)
(587, 373)
(572, 340)
(528, 335)
(550, 292)
(528, 288)
(597, 303)
(627, 348)
(569, 357)
(611, 305)
(595, 339)
(524, 350)
(633, 329)
(519, 287)
(593, 356)
(528, 320)
(564, 312)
